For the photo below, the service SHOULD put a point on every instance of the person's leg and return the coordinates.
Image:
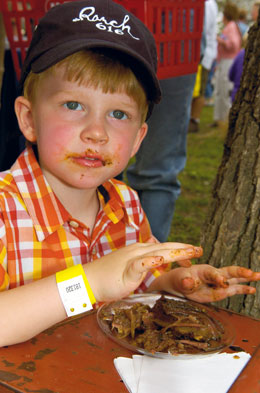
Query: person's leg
(197, 106)
(209, 88)
(163, 154)
(196, 109)
(209, 85)
(197, 103)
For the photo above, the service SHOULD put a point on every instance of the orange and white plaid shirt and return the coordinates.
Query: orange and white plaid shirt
(38, 237)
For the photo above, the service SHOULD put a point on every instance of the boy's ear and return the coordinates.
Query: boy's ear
(23, 110)
(139, 138)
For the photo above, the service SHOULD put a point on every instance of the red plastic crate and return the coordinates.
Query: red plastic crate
(176, 25)
(20, 18)
(177, 28)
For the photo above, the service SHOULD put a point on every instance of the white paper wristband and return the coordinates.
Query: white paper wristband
(74, 289)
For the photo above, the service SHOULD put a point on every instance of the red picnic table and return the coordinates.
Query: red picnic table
(77, 357)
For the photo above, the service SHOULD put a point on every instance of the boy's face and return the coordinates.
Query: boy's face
(83, 135)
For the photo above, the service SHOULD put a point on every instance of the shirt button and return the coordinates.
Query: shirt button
(74, 224)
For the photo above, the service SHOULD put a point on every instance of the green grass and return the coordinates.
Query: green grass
(204, 154)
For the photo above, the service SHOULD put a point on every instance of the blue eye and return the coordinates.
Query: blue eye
(73, 106)
(117, 114)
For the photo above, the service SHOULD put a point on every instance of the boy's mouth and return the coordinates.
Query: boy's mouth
(89, 159)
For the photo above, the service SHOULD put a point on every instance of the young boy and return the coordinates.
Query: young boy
(89, 82)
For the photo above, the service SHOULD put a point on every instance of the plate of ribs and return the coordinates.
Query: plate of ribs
(165, 326)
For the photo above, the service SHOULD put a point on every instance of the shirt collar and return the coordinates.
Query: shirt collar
(113, 203)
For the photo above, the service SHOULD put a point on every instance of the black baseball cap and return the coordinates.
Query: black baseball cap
(77, 25)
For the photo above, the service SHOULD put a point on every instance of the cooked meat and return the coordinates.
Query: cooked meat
(169, 326)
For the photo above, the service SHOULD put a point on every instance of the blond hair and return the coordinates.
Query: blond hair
(97, 69)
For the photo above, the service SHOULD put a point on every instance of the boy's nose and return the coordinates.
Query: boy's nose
(95, 132)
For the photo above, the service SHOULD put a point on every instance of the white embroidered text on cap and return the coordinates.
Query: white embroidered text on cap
(102, 24)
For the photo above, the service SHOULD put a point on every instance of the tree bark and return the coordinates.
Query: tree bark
(231, 234)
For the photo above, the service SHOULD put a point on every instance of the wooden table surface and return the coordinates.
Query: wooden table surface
(76, 357)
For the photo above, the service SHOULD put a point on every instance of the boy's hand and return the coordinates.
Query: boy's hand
(204, 283)
(119, 273)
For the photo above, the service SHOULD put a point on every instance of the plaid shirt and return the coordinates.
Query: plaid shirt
(38, 237)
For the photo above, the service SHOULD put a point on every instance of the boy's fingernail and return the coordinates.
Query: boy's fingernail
(198, 251)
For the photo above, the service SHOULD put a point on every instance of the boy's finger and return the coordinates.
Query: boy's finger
(186, 253)
(232, 290)
(233, 281)
(178, 254)
(140, 266)
(238, 272)
(147, 263)
(184, 263)
(189, 251)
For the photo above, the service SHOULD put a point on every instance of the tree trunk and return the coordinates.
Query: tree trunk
(232, 232)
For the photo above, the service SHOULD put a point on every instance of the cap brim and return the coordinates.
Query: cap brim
(138, 63)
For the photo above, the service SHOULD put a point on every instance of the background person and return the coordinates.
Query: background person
(162, 155)
(229, 44)
(210, 54)
(255, 10)
(236, 69)
(242, 22)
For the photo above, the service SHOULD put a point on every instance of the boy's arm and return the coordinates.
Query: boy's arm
(36, 306)
(27, 310)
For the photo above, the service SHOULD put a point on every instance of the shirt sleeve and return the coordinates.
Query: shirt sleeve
(4, 278)
(211, 34)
